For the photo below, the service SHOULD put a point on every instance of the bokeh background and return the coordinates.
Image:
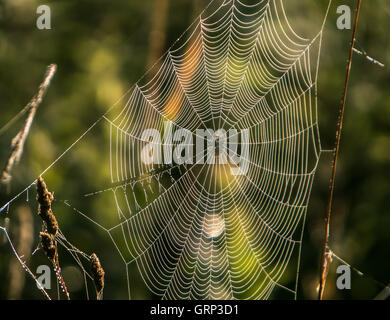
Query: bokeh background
(101, 48)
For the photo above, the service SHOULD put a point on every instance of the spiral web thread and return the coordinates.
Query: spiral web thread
(195, 231)
(203, 233)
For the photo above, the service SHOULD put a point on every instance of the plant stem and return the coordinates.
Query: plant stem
(23, 264)
(17, 144)
(325, 260)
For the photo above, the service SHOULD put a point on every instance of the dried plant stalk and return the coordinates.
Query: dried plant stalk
(98, 275)
(49, 245)
(325, 248)
(18, 142)
(48, 238)
(44, 198)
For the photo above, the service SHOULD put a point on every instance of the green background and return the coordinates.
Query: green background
(102, 48)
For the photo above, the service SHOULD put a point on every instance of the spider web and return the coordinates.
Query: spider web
(195, 230)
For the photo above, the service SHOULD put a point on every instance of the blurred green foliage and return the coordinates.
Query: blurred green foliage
(101, 48)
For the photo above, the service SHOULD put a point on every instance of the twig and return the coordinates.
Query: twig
(18, 142)
(40, 287)
(384, 294)
(9, 124)
(367, 57)
(324, 260)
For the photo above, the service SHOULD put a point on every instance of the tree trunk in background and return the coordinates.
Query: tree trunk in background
(24, 236)
(158, 30)
(159, 26)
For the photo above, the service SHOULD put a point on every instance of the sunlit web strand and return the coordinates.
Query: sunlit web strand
(236, 69)
(208, 234)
